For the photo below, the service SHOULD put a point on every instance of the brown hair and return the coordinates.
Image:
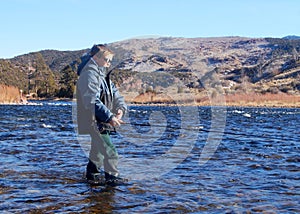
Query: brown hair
(100, 47)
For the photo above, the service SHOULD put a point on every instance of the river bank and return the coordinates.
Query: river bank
(241, 100)
(235, 100)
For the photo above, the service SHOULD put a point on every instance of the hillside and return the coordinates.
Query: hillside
(229, 65)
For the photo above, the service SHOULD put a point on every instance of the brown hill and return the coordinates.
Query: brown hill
(227, 65)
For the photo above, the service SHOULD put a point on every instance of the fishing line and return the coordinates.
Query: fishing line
(191, 128)
(198, 128)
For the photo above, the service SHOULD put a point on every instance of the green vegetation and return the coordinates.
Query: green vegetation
(67, 82)
(12, 75)
(119, 76)
(284, 46)
(41, 79)
(36, 78)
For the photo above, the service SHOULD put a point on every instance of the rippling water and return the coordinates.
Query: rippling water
(255, 167)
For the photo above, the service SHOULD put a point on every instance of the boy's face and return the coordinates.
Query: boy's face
(103, 60)
(107, 60)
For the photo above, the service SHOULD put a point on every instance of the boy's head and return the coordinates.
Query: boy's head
(102, 55)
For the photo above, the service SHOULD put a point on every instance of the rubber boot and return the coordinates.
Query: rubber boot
(92, 171)
(114, 180)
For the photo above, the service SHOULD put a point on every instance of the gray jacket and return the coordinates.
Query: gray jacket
(97, 97)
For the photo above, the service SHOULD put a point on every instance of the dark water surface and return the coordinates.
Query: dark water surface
(255, 168)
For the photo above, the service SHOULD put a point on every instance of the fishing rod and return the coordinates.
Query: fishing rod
(191, 128)
(196, 128)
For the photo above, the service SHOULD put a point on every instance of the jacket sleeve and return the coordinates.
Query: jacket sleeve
(90, 91)
(119, 102)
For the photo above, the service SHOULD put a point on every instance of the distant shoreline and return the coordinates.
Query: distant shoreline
(168, 104)
(291, 101)
(232, 100)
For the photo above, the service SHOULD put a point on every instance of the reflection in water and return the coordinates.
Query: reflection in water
(254, 169)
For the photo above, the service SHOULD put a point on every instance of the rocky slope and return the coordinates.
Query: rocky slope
(227, 64)
(245, 64)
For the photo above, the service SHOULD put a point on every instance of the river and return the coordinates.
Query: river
(177, 160)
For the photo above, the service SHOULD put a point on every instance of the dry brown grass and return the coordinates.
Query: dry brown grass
(9, 94)
(255, 100)
(268, 100)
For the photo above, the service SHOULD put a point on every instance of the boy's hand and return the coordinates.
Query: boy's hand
(115, 121)
(119, 114)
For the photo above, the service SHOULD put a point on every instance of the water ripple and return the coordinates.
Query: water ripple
(255, 168)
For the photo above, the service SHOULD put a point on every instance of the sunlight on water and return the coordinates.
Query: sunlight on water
(255, 168)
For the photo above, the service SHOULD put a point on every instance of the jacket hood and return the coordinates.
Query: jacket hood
(84, 60)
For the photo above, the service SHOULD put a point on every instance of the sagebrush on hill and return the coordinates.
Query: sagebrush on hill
(237, 64)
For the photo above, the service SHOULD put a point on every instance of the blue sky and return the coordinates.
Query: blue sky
(33, 25)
